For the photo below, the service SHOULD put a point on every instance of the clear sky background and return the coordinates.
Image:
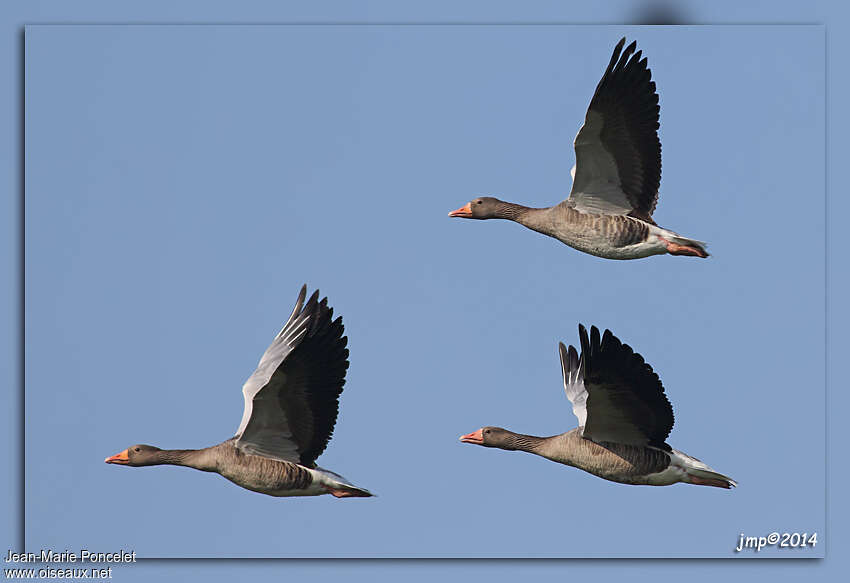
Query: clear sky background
(182, 182)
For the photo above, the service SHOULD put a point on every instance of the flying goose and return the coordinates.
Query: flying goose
(291, 404)
(615, 178)
(624, 419)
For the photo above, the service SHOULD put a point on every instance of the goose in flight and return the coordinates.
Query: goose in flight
(616, 176)
(291, 404)
(624, 419)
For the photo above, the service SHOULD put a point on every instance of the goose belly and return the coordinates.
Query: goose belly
(605, 249)
(275, 478)
(279, 488)
(626, 464)
(664, 477)
(312, 490)
(609, 236)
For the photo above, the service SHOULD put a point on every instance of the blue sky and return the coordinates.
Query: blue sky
(198, 175)
(183, 182)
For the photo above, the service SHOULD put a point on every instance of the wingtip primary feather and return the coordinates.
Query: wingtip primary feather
(615, 56)
(595, 341)
(573, 354)
(626, 63)
(583, 338)
(314, 297)
(570, 363)
(565, 361)
(609, 340)
(618, 48)
(584, 342)
(299, 303)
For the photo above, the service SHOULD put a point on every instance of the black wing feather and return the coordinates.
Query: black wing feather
(311, 379)
(626, 401)
(628, 102)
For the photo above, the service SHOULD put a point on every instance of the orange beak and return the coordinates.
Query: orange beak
(119, 458)
(464, 211)
(476, 437)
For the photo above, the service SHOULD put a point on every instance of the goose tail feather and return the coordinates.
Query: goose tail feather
(696, 472)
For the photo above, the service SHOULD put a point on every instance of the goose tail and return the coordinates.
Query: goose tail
(339, 486)
(350, 491)
(688, 247)
(700, 474)
(678, 245)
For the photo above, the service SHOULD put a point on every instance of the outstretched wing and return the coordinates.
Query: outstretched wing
(618, 153)
(621, 398)
(292, 399)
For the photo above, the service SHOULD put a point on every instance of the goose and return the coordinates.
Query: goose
(291, 405)
(615, 178)
(624, 419)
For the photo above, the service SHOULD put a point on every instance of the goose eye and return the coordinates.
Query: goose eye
(137, 449)
(479, 202)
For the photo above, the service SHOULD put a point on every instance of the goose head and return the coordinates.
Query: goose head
(491, 437)
(485, 207)
(137, 455)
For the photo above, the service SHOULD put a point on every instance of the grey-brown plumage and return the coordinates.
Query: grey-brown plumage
(291, 406)
(624, 420)
(616, 176)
